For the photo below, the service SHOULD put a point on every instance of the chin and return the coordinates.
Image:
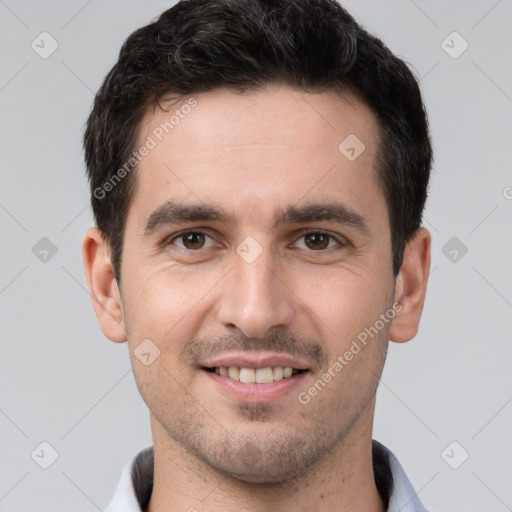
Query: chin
(270, 461)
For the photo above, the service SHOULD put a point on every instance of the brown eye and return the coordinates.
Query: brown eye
(191, 240)
(317, 241)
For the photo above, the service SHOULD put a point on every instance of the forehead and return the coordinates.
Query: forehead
(258, 150)
(273, 116)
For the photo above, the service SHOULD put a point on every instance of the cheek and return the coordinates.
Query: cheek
(160, 308)
(345, 304)
(152, 304)
(163, 302)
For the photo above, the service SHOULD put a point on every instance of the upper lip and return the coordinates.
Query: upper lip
(254, 360)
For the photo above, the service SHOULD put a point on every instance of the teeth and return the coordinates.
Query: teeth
(278, 373)
(264, 375)
(260, 376)
(234, 373)
(247, 375)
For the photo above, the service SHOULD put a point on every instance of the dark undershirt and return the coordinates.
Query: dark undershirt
(142, 475)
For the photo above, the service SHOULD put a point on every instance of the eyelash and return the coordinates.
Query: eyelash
(341, 242)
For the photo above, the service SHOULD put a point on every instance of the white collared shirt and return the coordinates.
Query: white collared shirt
(137, 480)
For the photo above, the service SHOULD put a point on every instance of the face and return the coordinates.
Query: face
(255, 248)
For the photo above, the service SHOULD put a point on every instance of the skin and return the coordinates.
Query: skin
(251, 154)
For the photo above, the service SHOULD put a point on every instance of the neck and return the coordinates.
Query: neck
(342, 481)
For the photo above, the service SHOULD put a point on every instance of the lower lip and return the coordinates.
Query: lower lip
(253, 392)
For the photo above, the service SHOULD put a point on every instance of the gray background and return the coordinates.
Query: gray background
(62, 382)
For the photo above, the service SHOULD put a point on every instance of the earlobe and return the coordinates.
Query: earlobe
(411, 287)
(103, 287)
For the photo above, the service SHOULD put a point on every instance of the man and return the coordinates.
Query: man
(258, 174)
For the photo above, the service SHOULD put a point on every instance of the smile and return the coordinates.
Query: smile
(256, 385)
(255, 375)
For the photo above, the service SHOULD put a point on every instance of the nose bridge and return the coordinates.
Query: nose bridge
(254, 299)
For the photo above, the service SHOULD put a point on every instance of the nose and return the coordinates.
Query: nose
(255, 297)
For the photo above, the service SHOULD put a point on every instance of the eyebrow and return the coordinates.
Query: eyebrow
(173, 213)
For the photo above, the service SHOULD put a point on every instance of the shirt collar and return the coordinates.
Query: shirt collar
(135, 485)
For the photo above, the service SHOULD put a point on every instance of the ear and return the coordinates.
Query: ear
(105, 294)
(411, 287)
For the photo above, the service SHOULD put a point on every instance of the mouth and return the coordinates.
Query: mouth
(246, 375)
(255, 377)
